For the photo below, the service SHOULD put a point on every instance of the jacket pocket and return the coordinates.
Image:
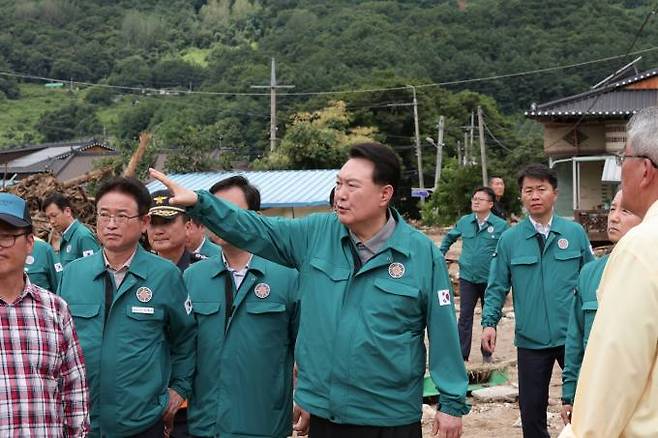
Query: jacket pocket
(589, 313)
(84, 310)
(524, 260)
(256, 308)
(329, 269)
(397, 288)
(567, 255)
(206, 308)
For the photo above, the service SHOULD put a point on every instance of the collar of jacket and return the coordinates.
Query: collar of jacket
(399, 239)
(557, 226)
(257, 264)
(71, 230)
(474, 218)
(137, 265)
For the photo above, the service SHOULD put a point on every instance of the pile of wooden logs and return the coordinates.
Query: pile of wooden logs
(35, 188)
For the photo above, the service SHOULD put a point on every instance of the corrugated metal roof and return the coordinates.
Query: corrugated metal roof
(620, 103)
(278, 188)
(611, 171)
(54, 152)
(38, 156)
(609, 100)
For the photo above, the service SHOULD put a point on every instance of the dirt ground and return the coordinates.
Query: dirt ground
(497, 419)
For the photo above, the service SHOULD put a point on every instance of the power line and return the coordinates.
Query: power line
(575, 126)
(495, 139)
(334, 92)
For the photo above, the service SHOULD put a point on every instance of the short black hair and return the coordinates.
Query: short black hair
(128, 186)
(387, 163)
(538, 171)
(332, 196)
(56, 198)
(490, 193)
(493, 177)
(251, 193)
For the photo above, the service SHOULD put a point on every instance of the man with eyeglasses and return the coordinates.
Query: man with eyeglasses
(479, 232)
(135, 321)
(42, 385)
(77, 240)
(617, 392)
(540, 259)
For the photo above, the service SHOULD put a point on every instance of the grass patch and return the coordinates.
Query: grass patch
(196, 56)
(18, 117)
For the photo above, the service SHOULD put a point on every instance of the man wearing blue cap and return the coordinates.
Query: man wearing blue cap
(42, 385)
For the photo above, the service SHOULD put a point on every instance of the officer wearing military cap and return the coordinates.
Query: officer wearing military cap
(167, 231)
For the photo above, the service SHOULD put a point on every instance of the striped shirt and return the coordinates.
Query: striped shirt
(43, 389)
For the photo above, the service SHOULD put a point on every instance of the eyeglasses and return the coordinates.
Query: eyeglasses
(476, 199)
(621, 157)
(9, 240)
(119, 219)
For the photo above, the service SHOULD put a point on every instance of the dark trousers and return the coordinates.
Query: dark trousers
(155, 431)
(321, 428)
(469, 294)
(535, 369)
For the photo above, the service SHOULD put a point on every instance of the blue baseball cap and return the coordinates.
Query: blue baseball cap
(14, 211)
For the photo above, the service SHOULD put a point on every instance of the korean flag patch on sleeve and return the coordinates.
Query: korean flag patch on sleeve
(87, 253)
(444, 297)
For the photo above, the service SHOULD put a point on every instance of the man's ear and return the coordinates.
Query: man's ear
(649, 173)
(387, 194)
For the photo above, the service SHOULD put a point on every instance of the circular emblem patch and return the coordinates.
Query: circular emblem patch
(396, 270)
(68, 248)
(490, 229)
(262, 290)
(29, 260)
(563, 244)
(144, 294)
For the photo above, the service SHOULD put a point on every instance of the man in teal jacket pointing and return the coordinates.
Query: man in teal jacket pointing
(371, 286)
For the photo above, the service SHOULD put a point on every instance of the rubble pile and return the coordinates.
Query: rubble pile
(36, 187)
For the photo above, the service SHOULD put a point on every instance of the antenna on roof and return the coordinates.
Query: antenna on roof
(618, 73)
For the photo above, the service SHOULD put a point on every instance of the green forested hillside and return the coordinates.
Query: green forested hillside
(132, 50)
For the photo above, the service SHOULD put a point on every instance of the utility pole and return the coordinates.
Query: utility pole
(469, 153)
(419, 154)
(439, 153)
(459, 153)
(483, 151)
(465, 156)
(273, 86)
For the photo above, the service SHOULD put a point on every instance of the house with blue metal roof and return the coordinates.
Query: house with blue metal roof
(291, 193)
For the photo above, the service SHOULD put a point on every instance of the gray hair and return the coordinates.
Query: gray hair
(642, 133)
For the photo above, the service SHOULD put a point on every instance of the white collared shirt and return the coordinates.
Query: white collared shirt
(198, 249)
(483, 223)
(238, 276)
(541, 229)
